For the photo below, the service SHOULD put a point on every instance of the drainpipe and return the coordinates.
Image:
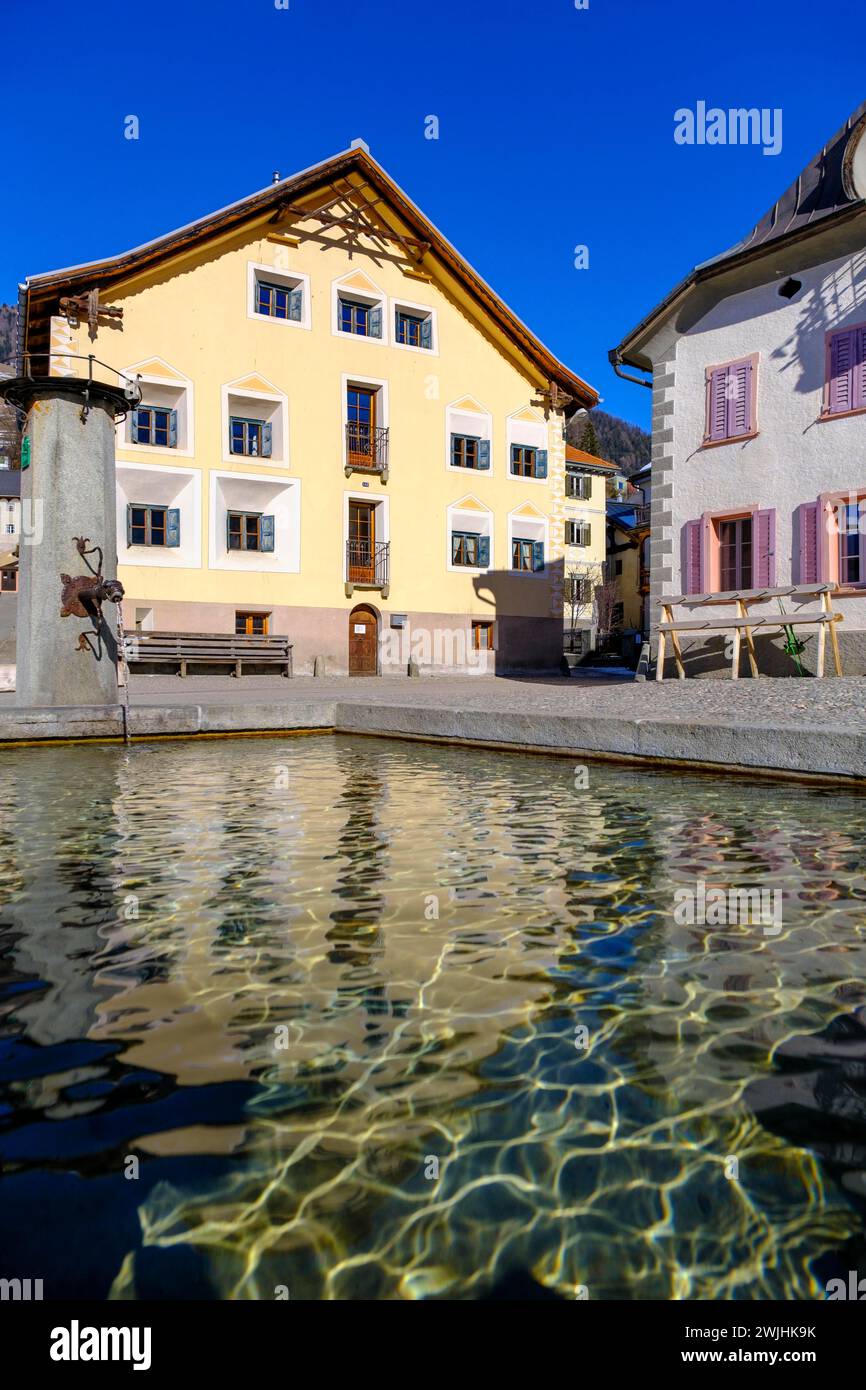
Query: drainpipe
(615, 360)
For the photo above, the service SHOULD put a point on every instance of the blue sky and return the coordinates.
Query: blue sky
(556, 130)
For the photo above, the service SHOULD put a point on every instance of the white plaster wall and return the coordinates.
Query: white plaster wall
(795, 455)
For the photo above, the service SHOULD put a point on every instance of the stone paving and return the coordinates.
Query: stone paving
(809, 704)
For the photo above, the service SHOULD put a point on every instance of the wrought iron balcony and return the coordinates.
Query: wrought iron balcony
(368, 566)
(366, 449)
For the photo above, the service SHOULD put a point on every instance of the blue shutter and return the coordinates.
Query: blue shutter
(172, 429)
(426, 333)
(455, 542)
(129, 522)
(172, 529)
(587, 532)
(541, 463)
(267, 435)
(134, 427)
(483, 453)
(376, 322)
(483, 552)
(296, 303)
(267, 533)
(538, 555)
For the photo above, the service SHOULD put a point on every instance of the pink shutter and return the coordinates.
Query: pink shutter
(739, 394)
(840, 396)
(859, 369)
(809, 543)
(764, 576)
(693, 557)
(717, 405)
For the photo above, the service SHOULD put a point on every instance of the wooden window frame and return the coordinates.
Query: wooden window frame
(485, 625)
(248, 619)
(148, 524)
(460, 443)
(463, 537)
(246, 421)
(244, 518)
(354, 306)
(273, 290)
(152, 411)
(519, 466)
(521, 568)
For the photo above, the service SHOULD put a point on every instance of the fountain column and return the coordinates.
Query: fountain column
(67, 491)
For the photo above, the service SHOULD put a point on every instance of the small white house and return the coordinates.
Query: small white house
(758, 362)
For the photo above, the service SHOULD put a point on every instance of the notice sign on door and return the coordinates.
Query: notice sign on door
(360, 628)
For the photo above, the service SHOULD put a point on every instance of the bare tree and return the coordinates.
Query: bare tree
(607, 599)
(579, 596)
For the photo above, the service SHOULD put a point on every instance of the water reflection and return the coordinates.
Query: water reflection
(329, 992)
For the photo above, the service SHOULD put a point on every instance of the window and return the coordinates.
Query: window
(152, 525)
(467, 451)
(845, 388)
(279, 301)
(362, 319)
(8, 581)
(528, 462)
(250, 531)
(154, 425)
(252, 624)
(482, 636)
(731, 401)
(852, 572)
(469, 548)
(527, 555)
(735, 553)
(250, 437)
(617, 614)
(578, 485)
(617, 567)
(578, 533)
(414, 330)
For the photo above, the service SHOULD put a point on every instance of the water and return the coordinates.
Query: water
(287, 980)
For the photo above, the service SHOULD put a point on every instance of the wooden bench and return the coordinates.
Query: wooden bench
(743, 623)
(208, 649)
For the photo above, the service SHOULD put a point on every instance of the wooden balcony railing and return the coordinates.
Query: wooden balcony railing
(642, 514)
(368, 565)
(366, 449)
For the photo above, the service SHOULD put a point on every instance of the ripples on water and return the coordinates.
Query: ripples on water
(294, 976)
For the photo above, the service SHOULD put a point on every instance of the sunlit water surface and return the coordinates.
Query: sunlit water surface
(297, 978)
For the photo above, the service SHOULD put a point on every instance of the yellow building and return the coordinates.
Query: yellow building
(344, 434)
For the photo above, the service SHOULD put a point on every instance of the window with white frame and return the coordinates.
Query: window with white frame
(278, 296)
(470, 539)
(414, 327)
(163, 419)
(360, 315)
(578, 486)
(578, 533)
(526, 445)
(255, 424)
(527, 543)
(468, 439)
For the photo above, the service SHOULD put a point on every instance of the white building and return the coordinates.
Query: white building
(758, 362)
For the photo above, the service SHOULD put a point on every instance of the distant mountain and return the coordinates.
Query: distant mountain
(617, 441)
(8, 329)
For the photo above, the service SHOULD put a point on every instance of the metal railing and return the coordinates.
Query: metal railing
(366, 447)
(368, 563)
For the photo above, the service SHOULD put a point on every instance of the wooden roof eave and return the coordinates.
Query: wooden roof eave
(43, 290)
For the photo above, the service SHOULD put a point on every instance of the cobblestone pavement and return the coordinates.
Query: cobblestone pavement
(812, 704)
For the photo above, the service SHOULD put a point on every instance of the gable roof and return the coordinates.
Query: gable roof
(822, 193)
(354, 168)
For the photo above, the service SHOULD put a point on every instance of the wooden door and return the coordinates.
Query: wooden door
(363, 642)
(362, 542)
(361, 416)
